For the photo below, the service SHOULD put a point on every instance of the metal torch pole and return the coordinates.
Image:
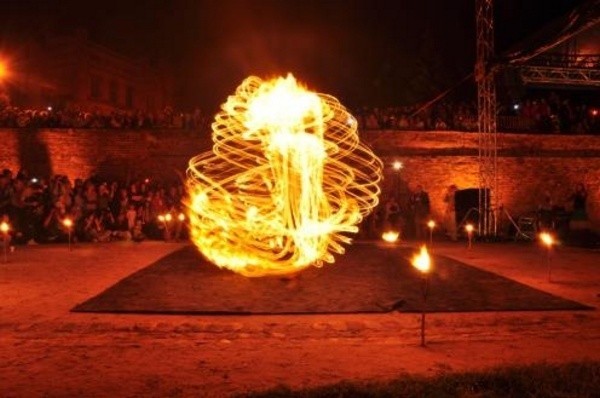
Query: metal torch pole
(424, 288)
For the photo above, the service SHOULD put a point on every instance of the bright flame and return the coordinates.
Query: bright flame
(547, 239)
(422, 261)
(431, 224)
(469, 228)
(397, 165)
(390, 236)
(181, 217)
(168, 217)
(67, 222)
(286, 180)
(4, 227)
(3, 70)
(161, 218)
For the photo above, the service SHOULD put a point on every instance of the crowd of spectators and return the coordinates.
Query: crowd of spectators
(549, 113)
(458, 116)
(100, 211)
(15, 117)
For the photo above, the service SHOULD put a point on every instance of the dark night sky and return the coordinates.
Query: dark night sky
(363, 51)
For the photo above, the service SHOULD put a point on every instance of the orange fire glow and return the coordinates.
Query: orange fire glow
(390, 236)
(285, 183)
(422, 261)
(547, 239)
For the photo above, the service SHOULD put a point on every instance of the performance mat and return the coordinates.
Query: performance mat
(368, 278)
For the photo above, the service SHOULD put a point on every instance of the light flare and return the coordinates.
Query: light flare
(286, 181)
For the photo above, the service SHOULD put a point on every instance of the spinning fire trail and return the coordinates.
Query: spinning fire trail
(285, 183)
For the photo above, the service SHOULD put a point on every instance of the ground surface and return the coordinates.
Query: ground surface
(46, 350)
(369, 277)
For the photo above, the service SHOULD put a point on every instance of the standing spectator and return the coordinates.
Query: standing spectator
(579, 199)
(450, 214)
(419, 201)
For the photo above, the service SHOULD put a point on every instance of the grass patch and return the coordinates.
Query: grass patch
(576, 380)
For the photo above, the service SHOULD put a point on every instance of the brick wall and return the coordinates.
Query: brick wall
(117, 153)
(528, 165)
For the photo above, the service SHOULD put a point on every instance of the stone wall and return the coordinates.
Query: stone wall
(528, 165)
(111, 153)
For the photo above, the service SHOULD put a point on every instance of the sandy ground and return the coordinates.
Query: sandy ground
(45, 350)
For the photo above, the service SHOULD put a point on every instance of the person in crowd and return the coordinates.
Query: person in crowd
(101, 211)
(545, 210)
(419, 201)
(450, 213)
(579, 203)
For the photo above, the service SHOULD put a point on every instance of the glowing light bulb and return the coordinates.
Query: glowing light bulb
(285, 183)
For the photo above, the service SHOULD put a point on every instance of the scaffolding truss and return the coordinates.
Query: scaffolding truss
(486, 112)
(559, 76)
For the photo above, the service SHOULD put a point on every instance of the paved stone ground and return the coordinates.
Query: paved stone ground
(46, 350)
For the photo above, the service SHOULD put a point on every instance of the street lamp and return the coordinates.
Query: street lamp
(422, 262)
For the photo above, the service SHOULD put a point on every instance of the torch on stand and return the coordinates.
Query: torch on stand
(422, 262)
(469, 228)
(431, 226)
(165, 219)
(548, 240)
(68, 223)
(5, 228)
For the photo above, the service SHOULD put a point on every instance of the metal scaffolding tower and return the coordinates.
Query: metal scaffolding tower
(486, 112)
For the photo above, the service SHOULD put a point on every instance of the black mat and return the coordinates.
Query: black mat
(368, 278)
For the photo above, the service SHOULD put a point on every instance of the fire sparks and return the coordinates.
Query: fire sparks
(422, 261)
(285, 183)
